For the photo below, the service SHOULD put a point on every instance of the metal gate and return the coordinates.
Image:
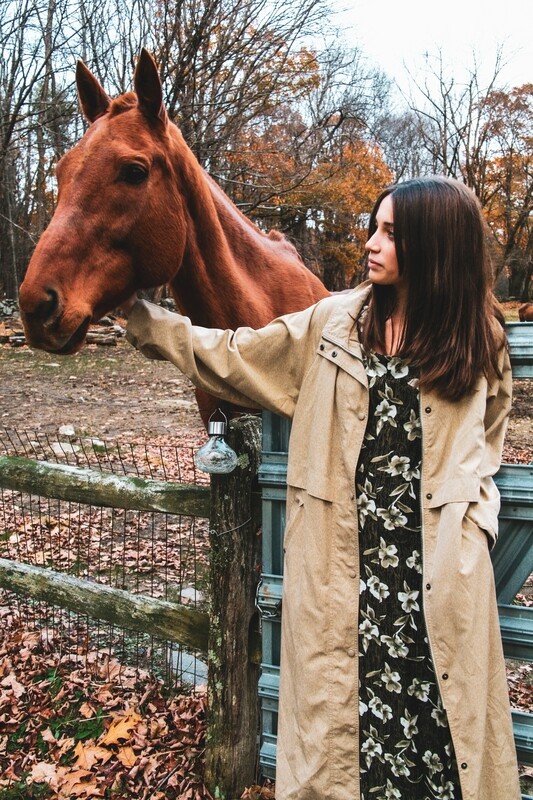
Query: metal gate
(512, 559)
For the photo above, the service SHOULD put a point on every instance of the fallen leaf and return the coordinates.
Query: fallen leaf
(43, 772)
(87, 755)
(10, 682)
(74, 783)
(127, 757)
(121, 728)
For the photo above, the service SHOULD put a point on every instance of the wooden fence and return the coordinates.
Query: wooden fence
(228, 636)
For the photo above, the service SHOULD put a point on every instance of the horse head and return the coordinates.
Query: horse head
(119, 225)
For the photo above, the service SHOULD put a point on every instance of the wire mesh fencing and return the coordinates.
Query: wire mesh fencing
(150, 553)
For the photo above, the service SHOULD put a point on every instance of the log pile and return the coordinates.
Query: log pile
(106, 332)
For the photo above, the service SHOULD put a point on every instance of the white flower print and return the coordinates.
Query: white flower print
(413, 426)
(378, 589)
(391, 679)
(446, 791)
(410, 745)
(387, 554)
(365, 506)
(440, 716)
(374, 368)
(380, 709)
(371, 749)
(415, 561)
(419, 689)
(393, 517)
(385, 412)
(368, 628)
(390, 792)
(368, 631)
(408, 599)
(401, 465)
(399, 764)
(409, 724)
(398, 368)
(397, 465)
(433, 761)
(396, 645)
(362, 586)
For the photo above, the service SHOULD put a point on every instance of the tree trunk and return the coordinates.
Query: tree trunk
(233, 707)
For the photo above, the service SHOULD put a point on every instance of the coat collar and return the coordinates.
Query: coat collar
(341, 326)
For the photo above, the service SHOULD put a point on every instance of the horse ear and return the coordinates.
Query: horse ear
(93, 100)
(148, 88)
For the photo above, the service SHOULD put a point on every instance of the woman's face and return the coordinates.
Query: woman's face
(382, 262)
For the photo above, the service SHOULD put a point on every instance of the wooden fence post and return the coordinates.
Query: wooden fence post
(233, 707)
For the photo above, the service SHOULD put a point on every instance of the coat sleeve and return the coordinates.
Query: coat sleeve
(252, 368)
(499, 398)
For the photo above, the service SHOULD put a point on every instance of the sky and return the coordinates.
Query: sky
(394, 34)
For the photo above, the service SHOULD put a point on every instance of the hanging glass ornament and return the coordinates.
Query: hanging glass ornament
(216, 456)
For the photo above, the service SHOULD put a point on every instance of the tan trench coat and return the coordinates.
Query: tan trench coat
(307, 366)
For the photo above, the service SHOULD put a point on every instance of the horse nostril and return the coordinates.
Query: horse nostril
(48, 311)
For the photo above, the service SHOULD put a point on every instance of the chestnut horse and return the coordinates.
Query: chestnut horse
(135, 211)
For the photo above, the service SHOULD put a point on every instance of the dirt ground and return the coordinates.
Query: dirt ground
(103, 391)
(113, 392)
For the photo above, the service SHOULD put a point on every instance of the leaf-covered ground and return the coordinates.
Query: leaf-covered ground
(78, 725)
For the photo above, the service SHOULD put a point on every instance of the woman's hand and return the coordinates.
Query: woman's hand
(126, 306)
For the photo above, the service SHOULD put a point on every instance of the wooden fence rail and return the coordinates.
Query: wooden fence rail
(228, 635)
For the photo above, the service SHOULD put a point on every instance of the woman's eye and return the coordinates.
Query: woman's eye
(133, 174)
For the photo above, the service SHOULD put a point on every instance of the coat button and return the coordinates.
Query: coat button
(334, 354)
(445, 676)
(353, 574)
(351, 730)
(428, 586)
(362, 415)
(428, 409)
(351, 653)
(464, 765)
(429, 496)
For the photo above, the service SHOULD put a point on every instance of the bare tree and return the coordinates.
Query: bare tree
(481, 133)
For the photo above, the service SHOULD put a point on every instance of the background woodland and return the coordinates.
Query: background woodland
(287, 116)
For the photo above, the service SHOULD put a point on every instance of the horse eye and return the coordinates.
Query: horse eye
(133, 173)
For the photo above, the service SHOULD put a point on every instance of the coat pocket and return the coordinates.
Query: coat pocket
(483, 501)
(295, 514)
(453, 490)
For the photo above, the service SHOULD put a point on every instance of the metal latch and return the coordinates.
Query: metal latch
(268, 597)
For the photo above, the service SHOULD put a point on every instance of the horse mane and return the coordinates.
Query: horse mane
(274, 240)
(122, 103)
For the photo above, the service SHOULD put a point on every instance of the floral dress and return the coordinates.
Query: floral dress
(405, 744)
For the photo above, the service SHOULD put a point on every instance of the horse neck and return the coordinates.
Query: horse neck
(221, 281)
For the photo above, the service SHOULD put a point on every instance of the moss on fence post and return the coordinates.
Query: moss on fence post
(233, 707)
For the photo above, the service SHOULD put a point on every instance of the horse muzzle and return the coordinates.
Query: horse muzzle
(48, 325)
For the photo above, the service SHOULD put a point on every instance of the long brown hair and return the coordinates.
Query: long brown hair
(441, 248)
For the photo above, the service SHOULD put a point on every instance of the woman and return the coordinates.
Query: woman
(392, 675)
